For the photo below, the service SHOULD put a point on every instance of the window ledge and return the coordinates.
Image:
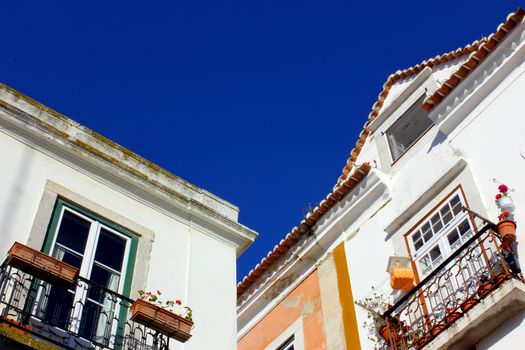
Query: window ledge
(501, 305)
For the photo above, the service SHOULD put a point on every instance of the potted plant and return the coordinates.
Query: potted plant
(506, 226)
(41, 265)
(169, 318)
(377, 324)
(468, 303)
(485, 286)
(503, 200)
(451, 315)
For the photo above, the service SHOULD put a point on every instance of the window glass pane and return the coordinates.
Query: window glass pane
(418, 244)
(464, 227)
(73, 232)
(408, 128)
(446, 214)
(104, 277)
(453, 237)
(427, 233)
(424, 264)
(68, 257)
(455, 203)
(110, 250)
(436, 223)
(435, 253)
(288, 345)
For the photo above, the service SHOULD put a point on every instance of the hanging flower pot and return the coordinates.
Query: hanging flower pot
(507, 230)
(401, 274)
(401, 278)
(161, 320)
(41, 265)
(505, 204)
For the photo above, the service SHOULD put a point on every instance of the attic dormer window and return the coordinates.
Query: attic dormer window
(408, 129)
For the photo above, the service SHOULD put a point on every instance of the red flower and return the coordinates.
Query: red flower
(178, 302)
(158, 292)
(503, 188)
(148, 293)
(498, 196)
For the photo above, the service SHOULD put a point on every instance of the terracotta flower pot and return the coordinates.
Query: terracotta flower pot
(422, 341)
(388, 332)
(437, 329)
(500, 278)
(41, 265)
(452, 317)
(484, 289)
(468, 304)
(161, 320)
(507, 230)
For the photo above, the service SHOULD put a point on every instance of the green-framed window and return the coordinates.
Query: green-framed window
(103, 251)
(105, 254)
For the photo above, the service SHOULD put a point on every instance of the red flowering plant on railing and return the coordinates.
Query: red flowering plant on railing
(170, 305)
(505, 203)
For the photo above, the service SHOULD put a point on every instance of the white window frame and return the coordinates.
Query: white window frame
(390, 139)
(88, 261)
(439, 238)
(296, 331)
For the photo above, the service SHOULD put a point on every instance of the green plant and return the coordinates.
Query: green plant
(375, 305)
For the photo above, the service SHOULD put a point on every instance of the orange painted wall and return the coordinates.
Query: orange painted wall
(304, 300)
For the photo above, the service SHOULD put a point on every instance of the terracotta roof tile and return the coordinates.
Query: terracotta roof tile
(476, 57)
(297, 232)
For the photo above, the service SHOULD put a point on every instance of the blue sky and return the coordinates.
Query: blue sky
(259, 102)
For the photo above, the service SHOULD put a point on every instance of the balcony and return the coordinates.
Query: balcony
(82, 316)
(463, 300)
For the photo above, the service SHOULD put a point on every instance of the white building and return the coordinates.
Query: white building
(126, 223)
(436, 139)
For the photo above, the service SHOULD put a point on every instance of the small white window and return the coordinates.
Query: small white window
(408, 129)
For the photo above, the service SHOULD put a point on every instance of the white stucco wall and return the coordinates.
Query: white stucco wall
(480, 135)
(186, 260)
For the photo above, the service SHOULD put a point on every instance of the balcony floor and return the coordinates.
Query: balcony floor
(499, 306)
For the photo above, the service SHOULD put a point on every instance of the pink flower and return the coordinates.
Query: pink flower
(158, 292)
(503, 188)
(178, 302)
(148, 293)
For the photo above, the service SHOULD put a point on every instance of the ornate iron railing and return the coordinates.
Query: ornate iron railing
(467, 276)
(83, 316)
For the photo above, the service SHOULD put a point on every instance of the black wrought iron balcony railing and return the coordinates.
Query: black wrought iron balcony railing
(471, 273)
(83, 316)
